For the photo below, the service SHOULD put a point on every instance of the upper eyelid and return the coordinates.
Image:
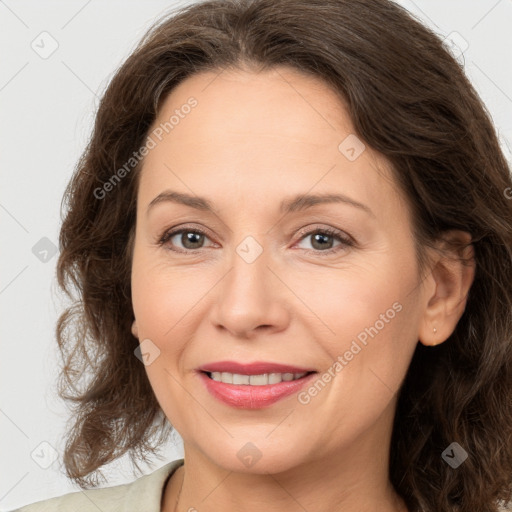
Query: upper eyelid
(329, 229)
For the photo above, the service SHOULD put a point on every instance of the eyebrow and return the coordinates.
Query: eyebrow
(296, 203)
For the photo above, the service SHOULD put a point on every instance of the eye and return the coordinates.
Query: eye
(323, 238)
(191, 239)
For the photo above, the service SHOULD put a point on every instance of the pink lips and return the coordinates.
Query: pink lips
(252, 397)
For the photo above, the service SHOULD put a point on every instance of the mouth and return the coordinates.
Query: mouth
(253, 388)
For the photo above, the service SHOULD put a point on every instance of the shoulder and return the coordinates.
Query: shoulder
(145, 493)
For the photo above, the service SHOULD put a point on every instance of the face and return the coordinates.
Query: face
(330, 287)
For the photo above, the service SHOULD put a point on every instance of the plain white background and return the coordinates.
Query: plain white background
(47, 109)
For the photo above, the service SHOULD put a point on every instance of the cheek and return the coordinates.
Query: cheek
(368, 318)
(169, 303)
(163, 300)
(162, 296)
(345, 303)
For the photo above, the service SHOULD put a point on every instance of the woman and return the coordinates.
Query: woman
(373, 373)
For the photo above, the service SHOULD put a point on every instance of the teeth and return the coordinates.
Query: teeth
(225, 377)
(254, 380)
(240, 379)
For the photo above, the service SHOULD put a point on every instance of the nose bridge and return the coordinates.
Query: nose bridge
(249, 296)
(247, 284)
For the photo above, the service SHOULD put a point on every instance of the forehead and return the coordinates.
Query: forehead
(276, 132)
(279, 103)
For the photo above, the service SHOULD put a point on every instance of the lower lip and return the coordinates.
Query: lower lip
(253, 397)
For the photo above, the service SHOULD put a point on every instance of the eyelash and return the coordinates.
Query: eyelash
(345, 241)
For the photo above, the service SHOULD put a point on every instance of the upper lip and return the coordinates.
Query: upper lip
(256, 368)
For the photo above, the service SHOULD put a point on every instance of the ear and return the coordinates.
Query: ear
(451, 277)
(135, 330)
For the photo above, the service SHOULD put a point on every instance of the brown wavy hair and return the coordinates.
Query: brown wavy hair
(410, 100)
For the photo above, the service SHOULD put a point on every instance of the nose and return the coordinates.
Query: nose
(250, 299)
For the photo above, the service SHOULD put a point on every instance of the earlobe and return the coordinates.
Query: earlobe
(453, 274)
(135, 330)
(434, 339)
